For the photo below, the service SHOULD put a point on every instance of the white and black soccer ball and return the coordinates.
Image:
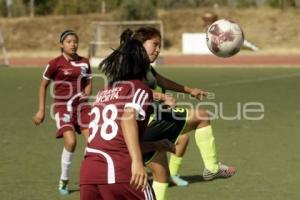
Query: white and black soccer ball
(224, 38)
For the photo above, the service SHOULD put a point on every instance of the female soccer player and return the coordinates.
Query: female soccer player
(71, 75)
(167, 126)
(113, 167)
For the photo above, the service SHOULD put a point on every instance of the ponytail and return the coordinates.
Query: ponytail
(129, 61)
(126, 35)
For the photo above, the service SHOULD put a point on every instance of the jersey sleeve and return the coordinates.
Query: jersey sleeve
(140, 100)
(50, 71)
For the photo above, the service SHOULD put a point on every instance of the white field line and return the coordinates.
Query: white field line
(226, 83)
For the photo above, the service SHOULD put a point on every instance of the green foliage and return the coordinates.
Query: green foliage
(273, 3)
(3, 11)
(21, 7)
(137, 10)
(173, 4)
(66, 7)
(44, 7)
(91, 6)
(130, 9)
(18, 8)
(113, 4)
(241, 3)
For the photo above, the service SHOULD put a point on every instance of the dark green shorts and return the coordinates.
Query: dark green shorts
(166, 124)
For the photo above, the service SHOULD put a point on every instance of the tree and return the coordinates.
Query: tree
(138, 10)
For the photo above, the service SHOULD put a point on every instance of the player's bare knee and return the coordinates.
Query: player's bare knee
(199, 115)
(161, 176)
(70, 141)
(203, 118)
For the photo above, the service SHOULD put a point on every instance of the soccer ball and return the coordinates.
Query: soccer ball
(224, 38)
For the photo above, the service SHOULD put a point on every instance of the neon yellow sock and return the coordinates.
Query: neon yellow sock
(160, 190)
(174, 164)
(206, 144)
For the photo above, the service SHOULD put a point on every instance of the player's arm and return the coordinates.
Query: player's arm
(131, 136)
(166, 99)
(87, 91)
(171, 85)
(40, 115)
(88, 88)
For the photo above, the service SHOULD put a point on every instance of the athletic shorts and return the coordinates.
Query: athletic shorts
(166, 124)
(120, 191)
(76, 119)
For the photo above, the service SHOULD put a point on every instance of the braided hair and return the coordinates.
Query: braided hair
(129, 61)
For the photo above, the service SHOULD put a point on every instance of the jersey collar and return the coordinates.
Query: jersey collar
(69, 60)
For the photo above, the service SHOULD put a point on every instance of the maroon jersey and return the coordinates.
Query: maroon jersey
(69, 76)
(107, 159)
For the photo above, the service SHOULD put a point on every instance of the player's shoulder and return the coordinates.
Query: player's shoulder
(131, 87)
(137, 84)
(56, 60)
(83, 59)
(138, 88)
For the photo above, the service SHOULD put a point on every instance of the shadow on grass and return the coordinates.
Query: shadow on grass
(191, 179)
(74, 191)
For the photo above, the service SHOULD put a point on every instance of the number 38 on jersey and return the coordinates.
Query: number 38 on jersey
(109, 128)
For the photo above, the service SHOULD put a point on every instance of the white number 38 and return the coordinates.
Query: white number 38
(107, 122)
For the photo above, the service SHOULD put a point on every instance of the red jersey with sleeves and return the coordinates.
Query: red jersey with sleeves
(69, 76)
(107, 160)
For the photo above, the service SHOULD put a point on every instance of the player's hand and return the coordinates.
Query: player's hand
(198, 93)
(165, 145)
(38, 118)
(170, 101)
(139, 177)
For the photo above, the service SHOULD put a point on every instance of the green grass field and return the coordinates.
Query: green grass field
(265, 152)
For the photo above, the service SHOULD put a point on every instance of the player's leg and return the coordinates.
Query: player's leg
(198, 120)
(65, 123)
(176, 160)
(160, 172)
(66, 160)
(169, 126)
(172, 123)
(165, 128)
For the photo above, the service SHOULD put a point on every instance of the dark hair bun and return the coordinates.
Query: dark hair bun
(126, 35)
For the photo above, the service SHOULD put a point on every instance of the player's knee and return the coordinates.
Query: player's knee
(70, 146)
(161, 176)
(70, 141)
(201, 116)
(159, 168)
